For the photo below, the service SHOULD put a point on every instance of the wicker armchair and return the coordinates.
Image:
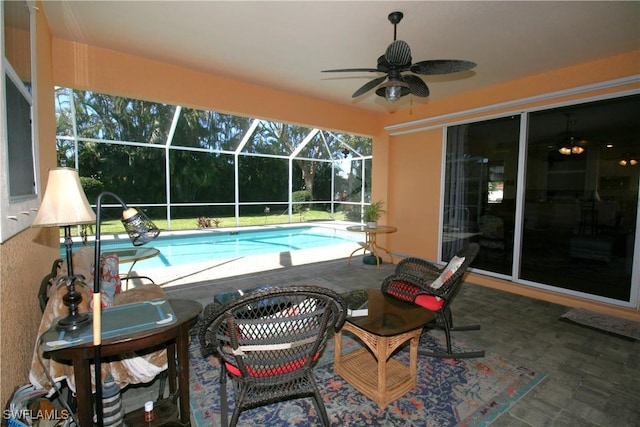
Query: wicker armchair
(434, 288)
(268, 341)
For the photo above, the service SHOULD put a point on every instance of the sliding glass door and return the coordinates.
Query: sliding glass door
(577, 192)
(580, 208)
(480, 191)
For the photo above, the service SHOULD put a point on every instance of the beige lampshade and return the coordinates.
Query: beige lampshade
(64, 201)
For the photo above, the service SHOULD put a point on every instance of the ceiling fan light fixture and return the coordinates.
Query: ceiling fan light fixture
(393, 90)
(393, 93)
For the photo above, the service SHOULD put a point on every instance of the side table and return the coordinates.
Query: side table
(371, 240)
(174, 337)
(132, 255)
(388, 324)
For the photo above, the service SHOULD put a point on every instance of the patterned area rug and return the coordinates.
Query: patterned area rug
(471, 392)
(614, 325)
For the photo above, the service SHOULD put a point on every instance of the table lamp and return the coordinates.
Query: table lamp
(64, 204)
(141, 230)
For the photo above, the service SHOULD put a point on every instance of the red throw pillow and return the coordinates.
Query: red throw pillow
(430, 302)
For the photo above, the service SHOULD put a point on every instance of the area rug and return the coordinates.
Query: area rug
(614, 325)
(471, 392)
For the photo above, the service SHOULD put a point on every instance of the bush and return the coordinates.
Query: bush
(300, 196)
(352, 213)
(92, 187)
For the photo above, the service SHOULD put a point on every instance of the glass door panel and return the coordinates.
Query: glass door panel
(581, 197)
(480, 191)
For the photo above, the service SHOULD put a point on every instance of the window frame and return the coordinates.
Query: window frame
(17, 211)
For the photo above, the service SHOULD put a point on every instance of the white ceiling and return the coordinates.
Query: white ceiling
(285, 44)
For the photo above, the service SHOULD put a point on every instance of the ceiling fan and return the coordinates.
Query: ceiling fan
(397, 60)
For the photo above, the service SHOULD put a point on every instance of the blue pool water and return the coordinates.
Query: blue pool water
(204, 246)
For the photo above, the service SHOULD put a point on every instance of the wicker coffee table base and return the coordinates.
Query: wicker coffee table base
(391, 379)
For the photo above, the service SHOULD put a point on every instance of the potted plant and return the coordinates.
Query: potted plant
(373, 212)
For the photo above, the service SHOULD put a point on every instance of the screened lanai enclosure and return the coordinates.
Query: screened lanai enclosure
(221, 170)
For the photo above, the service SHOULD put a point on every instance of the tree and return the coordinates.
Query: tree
(284, 139)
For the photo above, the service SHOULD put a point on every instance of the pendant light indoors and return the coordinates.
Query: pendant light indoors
(571, 144)
(628, 160)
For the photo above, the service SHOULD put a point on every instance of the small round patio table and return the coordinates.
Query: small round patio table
(370, 242)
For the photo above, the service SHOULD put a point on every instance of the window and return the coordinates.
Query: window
(20, 165)
(18, 190)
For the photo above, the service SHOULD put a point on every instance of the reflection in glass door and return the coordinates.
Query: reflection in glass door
(480, 191)
(581, 197)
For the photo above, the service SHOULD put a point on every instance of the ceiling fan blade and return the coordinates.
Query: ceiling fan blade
(368, 86)
(398, 53)
(441, 66)
(383, 64)
(347, 70)
(417, 86)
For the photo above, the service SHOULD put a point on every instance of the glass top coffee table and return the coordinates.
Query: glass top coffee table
(384, 325)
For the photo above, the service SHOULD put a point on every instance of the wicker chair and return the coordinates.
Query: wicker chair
(268, 341)
(434, 288)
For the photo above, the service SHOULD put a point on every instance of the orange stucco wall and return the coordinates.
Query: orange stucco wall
(414, 192)
(27, 257)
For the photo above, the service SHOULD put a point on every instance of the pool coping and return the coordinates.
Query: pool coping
(332, 224)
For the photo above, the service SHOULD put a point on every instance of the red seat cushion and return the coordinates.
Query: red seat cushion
(275, 370)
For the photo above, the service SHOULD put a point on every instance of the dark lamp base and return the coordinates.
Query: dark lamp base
(73, 322)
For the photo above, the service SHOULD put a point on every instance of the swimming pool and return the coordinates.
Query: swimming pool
(202, 246)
